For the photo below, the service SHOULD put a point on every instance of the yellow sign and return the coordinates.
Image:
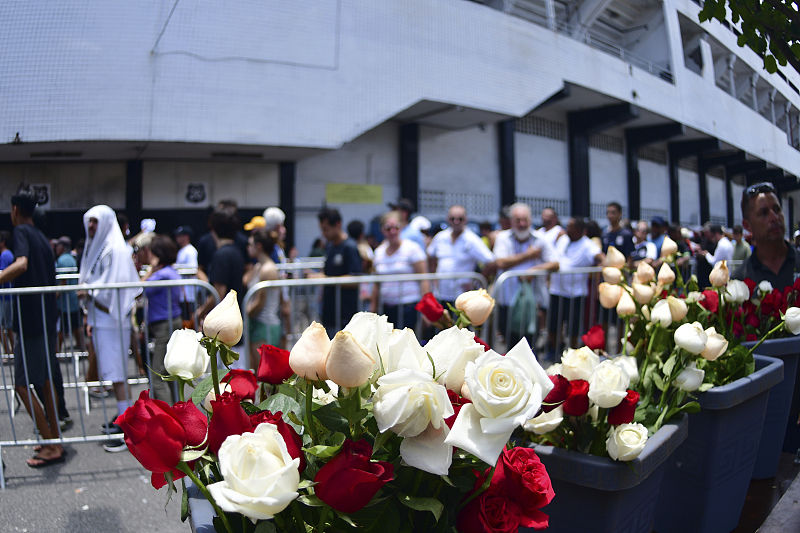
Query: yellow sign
(352, 193)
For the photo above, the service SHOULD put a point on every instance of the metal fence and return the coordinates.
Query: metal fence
(65, 360)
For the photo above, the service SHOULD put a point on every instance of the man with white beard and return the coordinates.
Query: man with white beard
(519, 248)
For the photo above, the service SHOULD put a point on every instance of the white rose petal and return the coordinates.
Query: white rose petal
(765, 287)
(554, 369)
(348, 364)
(668, 247)
(404, 351)
(545, 422)
(614, 258)
(609, 295)
(665, 274)
(625, 306)
(629, 365)
(737, 291)
(477, 305)
(661, 314)
(326, 397)
(645, 272)
(690, 378)
(428, 451)
(715, 345)
(792, 318)
(626, 442)
(719, 274)
(308, 355)
(578, 364)
(612, 275)
(678, 308)
(372, 332)
(451, 349)
(506, 392)
(407, 401)
(185, 357)
(260, 478)
(643, 293)
(691, 337)
(608, 384)
(225, 321)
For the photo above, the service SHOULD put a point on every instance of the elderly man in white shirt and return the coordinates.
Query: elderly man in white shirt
(568, 291)
(457, 249)
(520, 249)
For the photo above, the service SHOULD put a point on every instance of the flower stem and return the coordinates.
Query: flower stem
(180, 390)
(322, 517)
(762, 339)
(309, 422)
(183, 467)
(625, 337)
(215, 374)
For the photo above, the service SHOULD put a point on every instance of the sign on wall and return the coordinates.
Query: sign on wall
(196, 194)
(42, 191)
(352, 193)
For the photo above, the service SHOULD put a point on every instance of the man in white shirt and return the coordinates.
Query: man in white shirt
(457, 249)
(643, 249)
(568, 291)
(550, 229)
(186, 261)
(724, 249)
(518, 248)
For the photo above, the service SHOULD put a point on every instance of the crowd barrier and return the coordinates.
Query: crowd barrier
(71, 352)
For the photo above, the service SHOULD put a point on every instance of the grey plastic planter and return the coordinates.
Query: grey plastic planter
(707, 477)
(201, 513)
(780, 429)
(600, 495)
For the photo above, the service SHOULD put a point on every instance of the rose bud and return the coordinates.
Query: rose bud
(691, 337)
(614, 258)
(661, 314)
(348, 364)
(185, 357)
(225, 321)
(194, 422)
(557, 395)
(665, 274)
(668, 247)
(609, 294)
(643, 293)
(715, 345)
(737, 291)
(625, 307)
(243, 383)
(577, 402)
(477, 305)
(307, 358)
(273, 366)
(430, 307)
(677, 307)
(623, 413)
(612, 275)
(720, 275)
(645, 272)
(690, 378)
(792, 318)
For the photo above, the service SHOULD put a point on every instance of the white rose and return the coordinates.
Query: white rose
(694, 296)
(765, 287)
(506, 392)
(477, 305)
(609, 294)
(614, 258)
(715, 345)
(792, 318)
(661, 313)
(665, 274)
(737, 291)
(554, 369)
(677, 307)
(404, 351)
(625, 306)
(668, 247)
(579, 364)
(629, 365)
(690, 378)
(185, 357)
(645, 272)
(691, 337)
(545, 422)
(211, 396)
(260, 478)
(643, 293)
(348, 364)
(626, 441)
(372, 332)
(612, 275)
(451, 349)
(326, 397)
(308, 355)
(225, 321)
(407, 401)
(719, 274)
(608, 384)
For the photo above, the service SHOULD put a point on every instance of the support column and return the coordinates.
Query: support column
(677, 151)
(409, 162)
(287, 175)
(508, 175)
(133, 192)
(702, 182)
(729, 213)
(634, 139)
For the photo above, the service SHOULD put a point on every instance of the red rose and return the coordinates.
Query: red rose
(227, 419)
(430, 307)
(243, 383)
(193, 421)
(773, 303)
(738, 329)
(750, 285)
(350, 480)
(711, 300)
(274, 365)
(751, 337)
(480, 341)
(624, 411)
(577, 402)
(153, 433)
(558, 393)
(457, 402)
(294, 443)
(595, 338)
(492, 511)
(522, 477)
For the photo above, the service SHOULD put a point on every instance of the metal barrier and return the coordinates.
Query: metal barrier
(72, 378)
(305, 294)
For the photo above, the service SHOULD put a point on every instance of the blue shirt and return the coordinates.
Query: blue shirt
(6, 258)
(158, 297)
(67, 301)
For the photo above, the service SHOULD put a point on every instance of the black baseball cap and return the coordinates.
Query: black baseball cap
(183, 230)
(404, 204)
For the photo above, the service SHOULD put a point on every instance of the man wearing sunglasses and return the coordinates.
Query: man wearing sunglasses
(773, 259)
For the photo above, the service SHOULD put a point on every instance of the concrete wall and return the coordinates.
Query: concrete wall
(542, 167)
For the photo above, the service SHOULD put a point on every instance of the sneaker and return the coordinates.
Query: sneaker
(99, 393)
(110, 428)
(65, 423)
(115, 445)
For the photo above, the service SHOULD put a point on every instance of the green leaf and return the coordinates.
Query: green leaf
(184, 502)
(329, 416)
(284, 404)
(227, 355)
(770, 65)
(265, 526)
(658, 381)
(310, 500)
(322, 451)
(705, 386)
(422, 504)
(203, 388)
(670, 365)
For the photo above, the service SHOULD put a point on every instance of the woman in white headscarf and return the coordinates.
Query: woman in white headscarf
(107, 259)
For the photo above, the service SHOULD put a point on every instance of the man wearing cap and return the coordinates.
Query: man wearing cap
(274, 221)
(658, 229)
(406, 207)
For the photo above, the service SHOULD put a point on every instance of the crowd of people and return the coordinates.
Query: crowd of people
(111, 323)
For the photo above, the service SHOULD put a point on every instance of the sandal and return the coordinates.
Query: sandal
(47, 462)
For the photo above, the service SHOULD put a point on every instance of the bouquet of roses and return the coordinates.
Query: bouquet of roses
(684, 340)
(367, 430)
